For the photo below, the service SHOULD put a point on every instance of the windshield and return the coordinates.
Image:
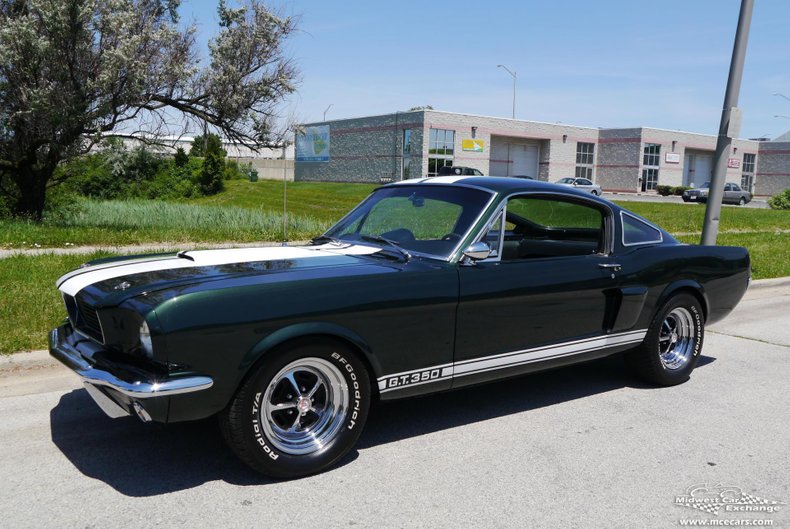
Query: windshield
(565, 181)
(706, 185)
(424, 219)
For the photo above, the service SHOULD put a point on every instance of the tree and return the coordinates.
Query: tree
(200, 143)
(180, 158)
(74, 71)
(210, 179)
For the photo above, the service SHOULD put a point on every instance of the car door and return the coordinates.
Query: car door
(544, 295)
(729, 194)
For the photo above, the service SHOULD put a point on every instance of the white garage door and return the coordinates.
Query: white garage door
(698, 169)
(513, 159)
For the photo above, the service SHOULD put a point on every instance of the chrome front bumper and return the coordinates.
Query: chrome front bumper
(116, 390)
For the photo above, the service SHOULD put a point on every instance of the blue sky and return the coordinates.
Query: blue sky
(594, 63)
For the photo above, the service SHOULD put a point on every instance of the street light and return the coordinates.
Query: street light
(781, 116)
(782, 95)
(513, 74)
(327, 110)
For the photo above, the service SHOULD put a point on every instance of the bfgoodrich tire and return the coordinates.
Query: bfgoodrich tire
(671, 348)
(300, 411)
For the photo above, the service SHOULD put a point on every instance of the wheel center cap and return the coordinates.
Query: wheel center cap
(674, 337)
(304, 404)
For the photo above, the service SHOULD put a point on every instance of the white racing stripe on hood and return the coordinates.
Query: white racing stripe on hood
(75, 281)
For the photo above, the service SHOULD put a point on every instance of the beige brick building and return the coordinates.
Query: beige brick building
(417, 143)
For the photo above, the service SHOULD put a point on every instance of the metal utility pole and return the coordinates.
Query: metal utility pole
(513, 74)
(729, 127)
(285, 187)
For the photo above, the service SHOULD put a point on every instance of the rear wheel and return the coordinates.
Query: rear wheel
(300, 411)
(673, 343)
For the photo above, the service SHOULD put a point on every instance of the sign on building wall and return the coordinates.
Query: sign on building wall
(733, 163)
(473, 145)
(313, 145)
(672, 157)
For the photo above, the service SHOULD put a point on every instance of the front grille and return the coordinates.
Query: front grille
(83, 317)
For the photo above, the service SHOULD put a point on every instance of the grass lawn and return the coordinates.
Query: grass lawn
(31, 305)
(245, 212)
(324, 201)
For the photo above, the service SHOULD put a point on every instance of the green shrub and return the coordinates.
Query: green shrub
(678, 190)
(664, 191)
(780, 200)
(211, 175)
(180, 158)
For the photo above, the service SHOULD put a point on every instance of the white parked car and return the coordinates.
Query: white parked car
(581, 184)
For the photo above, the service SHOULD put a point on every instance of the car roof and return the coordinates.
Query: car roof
(498, 184)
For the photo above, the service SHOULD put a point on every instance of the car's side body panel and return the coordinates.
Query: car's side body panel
(401, 316)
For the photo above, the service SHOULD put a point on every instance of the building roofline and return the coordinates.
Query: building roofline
(362, 117)
(466, 114)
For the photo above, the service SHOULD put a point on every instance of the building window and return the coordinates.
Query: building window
(441, 147)
(651, 160)
(406, 166)
(585, 153)
(747, 178)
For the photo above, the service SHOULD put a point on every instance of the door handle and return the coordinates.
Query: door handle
(614, 267)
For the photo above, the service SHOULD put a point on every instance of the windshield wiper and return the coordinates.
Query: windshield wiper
(394, 244)
(326, 238)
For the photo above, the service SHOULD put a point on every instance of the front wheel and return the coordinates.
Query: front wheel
(742, 202)
(673, 343)
(300, 411)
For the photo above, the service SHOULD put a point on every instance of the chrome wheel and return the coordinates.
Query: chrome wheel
(304, 406)
(676, 339)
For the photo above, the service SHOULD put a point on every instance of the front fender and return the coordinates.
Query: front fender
(304, 329)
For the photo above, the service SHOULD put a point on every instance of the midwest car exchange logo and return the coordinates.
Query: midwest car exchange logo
(717, 499)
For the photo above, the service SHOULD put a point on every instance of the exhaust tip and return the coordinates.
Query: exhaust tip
(141, 413)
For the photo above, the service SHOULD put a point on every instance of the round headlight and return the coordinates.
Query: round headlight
(145, 340)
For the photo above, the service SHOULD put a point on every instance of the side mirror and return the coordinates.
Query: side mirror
(477, 251)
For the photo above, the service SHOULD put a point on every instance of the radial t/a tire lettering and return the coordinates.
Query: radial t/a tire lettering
(300, 410)
(673, 343)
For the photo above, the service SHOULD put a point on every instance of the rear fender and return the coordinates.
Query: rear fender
(687, 285)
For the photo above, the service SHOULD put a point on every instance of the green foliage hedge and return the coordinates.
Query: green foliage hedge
(665, 191)
(117, 173)
(780, 200)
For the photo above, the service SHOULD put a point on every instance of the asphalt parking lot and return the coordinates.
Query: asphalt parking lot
(586, 446)
(759, 203)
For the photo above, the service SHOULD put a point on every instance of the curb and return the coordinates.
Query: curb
(776, 282)
(17, 362)
(41, 359)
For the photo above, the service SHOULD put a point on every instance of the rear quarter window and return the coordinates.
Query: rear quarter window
(637, 231)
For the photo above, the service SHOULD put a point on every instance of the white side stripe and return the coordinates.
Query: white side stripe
(425, 375)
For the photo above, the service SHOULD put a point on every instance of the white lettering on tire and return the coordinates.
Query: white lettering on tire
(355, 384)
(256, 428)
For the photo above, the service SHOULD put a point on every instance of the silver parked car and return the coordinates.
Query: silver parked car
(733, 194)
(581, 184)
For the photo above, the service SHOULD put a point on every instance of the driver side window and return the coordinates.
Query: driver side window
(540, 227)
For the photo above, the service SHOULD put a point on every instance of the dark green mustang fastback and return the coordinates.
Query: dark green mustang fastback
(427, 285)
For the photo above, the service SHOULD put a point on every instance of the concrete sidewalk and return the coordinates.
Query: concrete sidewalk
(132, 249)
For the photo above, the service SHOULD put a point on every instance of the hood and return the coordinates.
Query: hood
(119, 279)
